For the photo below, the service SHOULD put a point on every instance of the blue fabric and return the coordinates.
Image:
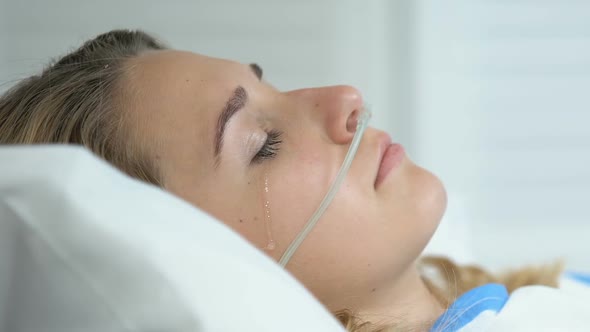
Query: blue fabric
(580, 277)
(469, 305)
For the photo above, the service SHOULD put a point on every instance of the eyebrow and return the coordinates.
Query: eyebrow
(236, 102)
(256, 70)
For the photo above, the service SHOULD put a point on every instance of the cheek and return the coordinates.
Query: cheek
(238, 203)
(295, 192)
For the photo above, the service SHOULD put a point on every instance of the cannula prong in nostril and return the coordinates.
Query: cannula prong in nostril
(352, 121)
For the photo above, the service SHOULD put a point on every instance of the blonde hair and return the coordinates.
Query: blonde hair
(77, 100)
(453, 280)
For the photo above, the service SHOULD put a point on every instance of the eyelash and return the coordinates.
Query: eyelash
(270, 148)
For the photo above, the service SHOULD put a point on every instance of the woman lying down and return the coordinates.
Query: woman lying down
(214, 133)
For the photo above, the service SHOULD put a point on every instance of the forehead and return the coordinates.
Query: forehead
(176, 61)
(170, 70)
(176, 97)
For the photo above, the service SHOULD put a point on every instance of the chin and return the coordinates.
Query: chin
(433, 200)
(426, 192)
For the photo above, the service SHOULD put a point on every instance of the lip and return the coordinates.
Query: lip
(391, 156)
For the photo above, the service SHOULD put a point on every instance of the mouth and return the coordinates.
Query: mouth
(390, 157)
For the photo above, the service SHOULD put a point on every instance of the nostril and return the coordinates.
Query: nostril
(352, 121)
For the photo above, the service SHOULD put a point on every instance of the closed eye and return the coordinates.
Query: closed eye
(270, 148)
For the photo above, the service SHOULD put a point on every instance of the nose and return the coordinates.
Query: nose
(337, 108)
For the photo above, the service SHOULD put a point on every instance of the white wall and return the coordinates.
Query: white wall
(502, 115)
(3, 45)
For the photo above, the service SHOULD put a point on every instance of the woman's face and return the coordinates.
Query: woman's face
(255, 157)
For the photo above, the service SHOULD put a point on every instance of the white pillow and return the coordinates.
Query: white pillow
(83, 247)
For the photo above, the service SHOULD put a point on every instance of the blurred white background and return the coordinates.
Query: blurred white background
(490, 95)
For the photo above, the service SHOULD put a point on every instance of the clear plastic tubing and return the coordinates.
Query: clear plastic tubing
(362, 122)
